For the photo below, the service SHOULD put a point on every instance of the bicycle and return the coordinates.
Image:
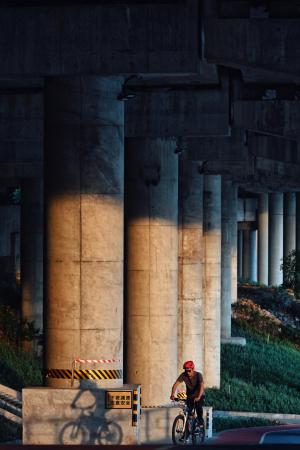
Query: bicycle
(186, 428)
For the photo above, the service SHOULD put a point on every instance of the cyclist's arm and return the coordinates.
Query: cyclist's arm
(174, 387)
(200, 392)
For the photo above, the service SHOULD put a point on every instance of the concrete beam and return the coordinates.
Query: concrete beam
(275, 117)
(265, 43)
(197, 112)
(64, 40)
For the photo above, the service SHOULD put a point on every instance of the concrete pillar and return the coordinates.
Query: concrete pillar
(246, 255)
(228, 254)
(297, 274)
(240, 254)
(253, 255)
(289, 223)
(212, 278)
(262, 238)
(84, 190)
(234, 246)
(190, 249)
(32, 254)
(152, 266)
(275, 238)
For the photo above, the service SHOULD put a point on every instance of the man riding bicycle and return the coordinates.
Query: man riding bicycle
(194, 388)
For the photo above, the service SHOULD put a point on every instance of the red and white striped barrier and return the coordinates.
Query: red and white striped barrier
(91, 361)
(95, 361)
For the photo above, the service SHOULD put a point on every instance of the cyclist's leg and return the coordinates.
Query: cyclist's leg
(199, 410)
(190, 404)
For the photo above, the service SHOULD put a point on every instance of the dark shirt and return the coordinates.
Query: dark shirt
(192, 384)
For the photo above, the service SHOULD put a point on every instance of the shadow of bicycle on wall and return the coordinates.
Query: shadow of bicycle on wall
(91, 426)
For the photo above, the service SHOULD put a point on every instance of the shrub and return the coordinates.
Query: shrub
(226, 423)
(288, 267)
(17, 368)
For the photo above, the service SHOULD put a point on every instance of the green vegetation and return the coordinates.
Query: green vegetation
(226, 423)
(17, 368)
(263, 376)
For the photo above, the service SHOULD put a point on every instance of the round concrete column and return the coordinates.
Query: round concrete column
(190, 317)
(32, 255)
(262, 238)
(228, 257)
(297, 280)
(212, 278)
(275, 238)
(253, 255)
(240, 254)
(152, 266)
(84, 178)
(246, 255)
(289, 223)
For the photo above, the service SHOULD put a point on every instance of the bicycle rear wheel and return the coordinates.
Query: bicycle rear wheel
(178, 430)
(198, 433)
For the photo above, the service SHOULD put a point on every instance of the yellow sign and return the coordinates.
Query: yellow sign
(118, 399)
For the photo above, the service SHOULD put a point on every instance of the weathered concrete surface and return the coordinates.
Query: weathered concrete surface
(156, 425)
(261, 43)
(275, 238)
(263, 238)
(75, 417)
(21, 135)
(246, 255)
(152, 266)
(253, 255)
(240, 254)
(79, 40)
(275, 117)
(178, 113)
(212, 278)
(32, 251)
(229, 257)
(190, 253)
(84, 189)
(9, 226)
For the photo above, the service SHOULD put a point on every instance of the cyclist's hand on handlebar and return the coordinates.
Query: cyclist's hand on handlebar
(172, 397)
(196, 399)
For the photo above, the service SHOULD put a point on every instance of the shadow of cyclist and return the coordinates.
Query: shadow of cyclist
(91, 425)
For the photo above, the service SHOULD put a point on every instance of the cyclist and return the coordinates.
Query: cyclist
(194, 388)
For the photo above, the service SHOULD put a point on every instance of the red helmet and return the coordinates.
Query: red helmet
(189, 365)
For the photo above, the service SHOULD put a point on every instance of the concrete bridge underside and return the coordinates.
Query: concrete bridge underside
(157, 152)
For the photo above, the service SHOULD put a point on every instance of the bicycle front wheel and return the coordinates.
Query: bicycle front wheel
(178, 430)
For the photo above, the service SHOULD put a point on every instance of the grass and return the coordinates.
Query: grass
(17, 368)
(227, 423)
(263, 376)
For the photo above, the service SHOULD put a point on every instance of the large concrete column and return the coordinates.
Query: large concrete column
(32, 253)
(263, 238)
(253, 255)
(190, 317)
(84, 178)
(297, 274)
(152, 266)
(289, 222)
(275, 238)
(240, 254)
(246, 254)
(228, 258)
(212, 278)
